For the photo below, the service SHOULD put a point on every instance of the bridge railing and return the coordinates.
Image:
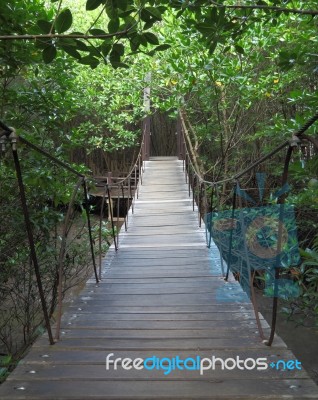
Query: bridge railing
(66, 230)
(257, 239)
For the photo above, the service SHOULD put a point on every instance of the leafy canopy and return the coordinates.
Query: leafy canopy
(119, 27)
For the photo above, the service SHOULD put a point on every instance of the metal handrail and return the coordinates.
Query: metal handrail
(138, 165)
(296, 134)
(8, 134)
(189, 165)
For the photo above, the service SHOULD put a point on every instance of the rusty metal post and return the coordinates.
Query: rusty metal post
(29, 231)
(125, 205)
(140, 170)
(189, 180)
(180, 145)
(89, 226)
(130, 195)
(146, 121)
(147, 134)
(101, 215)
(136, 185)
(201, 199)
(186, 168)
(110, 201)
(117, 222)
(111, 217)
(194, 181)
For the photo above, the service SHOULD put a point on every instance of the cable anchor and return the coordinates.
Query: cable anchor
(13, 138)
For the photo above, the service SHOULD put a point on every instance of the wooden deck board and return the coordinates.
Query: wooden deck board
(209, 388)
(95, 372)
(57, 356)
(162, 294)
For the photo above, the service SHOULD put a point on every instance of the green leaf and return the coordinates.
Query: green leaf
(162, 47)
(105, 49)
(221, 15)
(89, 60)
(42, 43)
(119, 49)
(135, 42)
(130, 24)
(119, 65)
(94, 51)
(122, 4)
(145, 15)
(69, 42)
(71, 51)
(162, 9)
(213, 15)
(111, 9)
(179, 13)
(93, 4)
(151, 38)
(64, 21)
(49, 53)
(212, 46)
(81, 46)
(126, 13)
(205, 28)
(97, 32)
(113, 25)
(239, 49)
(45, 26)
(149, 24)
(154, 12)
(134, 46)
(143, 40)
(114, 57)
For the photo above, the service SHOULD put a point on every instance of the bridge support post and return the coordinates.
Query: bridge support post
(110, 201)
(146, 144)
(180, 140)
(146, 121)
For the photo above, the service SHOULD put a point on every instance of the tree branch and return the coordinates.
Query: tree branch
(270, 8)
(56, 15)
(194, 155)
(311, 139)
(61, 36)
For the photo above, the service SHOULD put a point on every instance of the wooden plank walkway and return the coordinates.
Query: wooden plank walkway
(161, 295)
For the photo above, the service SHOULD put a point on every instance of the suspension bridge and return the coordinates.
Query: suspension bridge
(158, 320)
